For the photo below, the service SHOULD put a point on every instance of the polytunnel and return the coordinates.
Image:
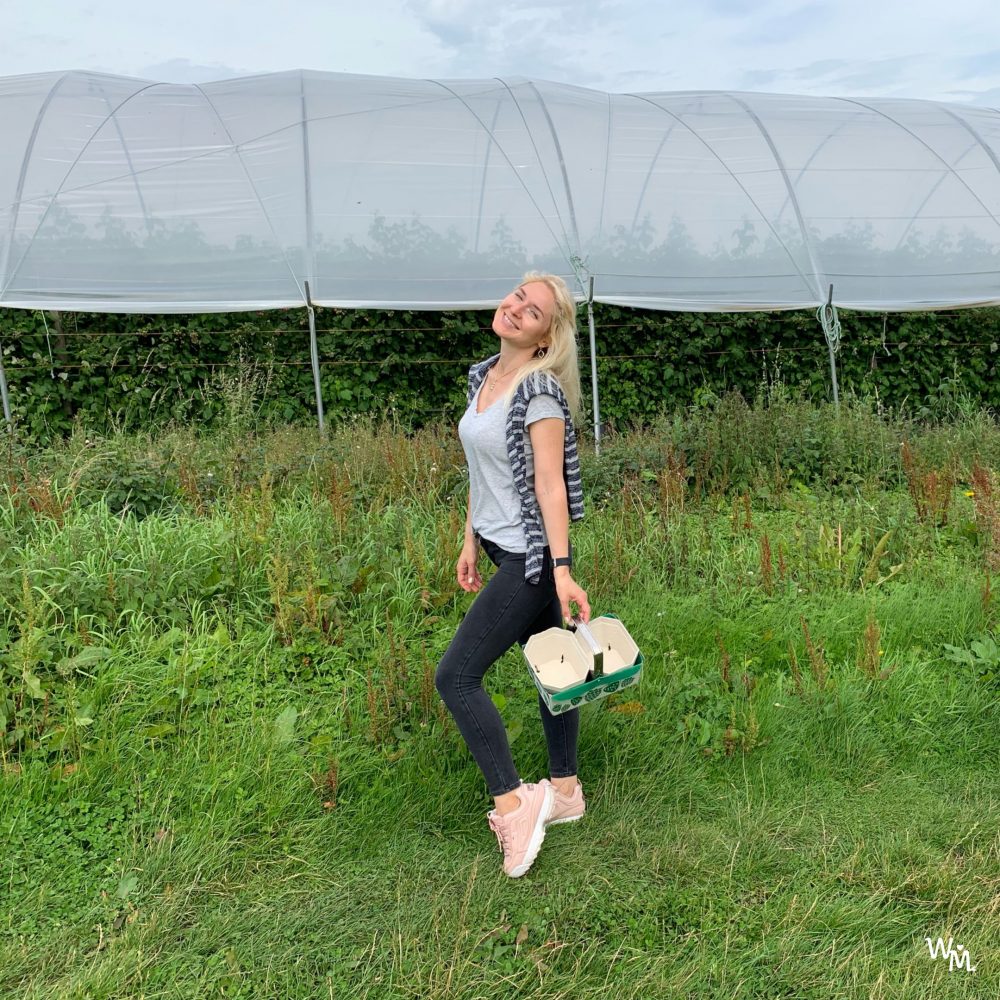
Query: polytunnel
(130, 195)
(308, 188)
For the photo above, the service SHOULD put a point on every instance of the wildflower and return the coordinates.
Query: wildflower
(970, 493)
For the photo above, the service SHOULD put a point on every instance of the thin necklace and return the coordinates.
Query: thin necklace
(492, 382)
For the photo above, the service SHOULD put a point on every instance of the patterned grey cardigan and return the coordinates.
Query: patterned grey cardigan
(540, 383)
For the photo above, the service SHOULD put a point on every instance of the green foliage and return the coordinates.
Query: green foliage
(103, 372)
(136, 483)
(225, 770)
(41, 708)
(982, 657)
(702, 710)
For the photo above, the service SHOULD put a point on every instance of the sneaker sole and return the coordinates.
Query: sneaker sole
(537, 836)
(565, 819)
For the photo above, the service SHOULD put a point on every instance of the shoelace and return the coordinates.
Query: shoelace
(498, 828)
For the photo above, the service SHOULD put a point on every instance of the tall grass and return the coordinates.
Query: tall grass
(225, 771)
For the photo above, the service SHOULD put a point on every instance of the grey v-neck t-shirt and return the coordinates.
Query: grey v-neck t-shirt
(493, 498)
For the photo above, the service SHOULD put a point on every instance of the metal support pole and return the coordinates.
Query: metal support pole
(831, 330)
(593, 366)
(833, 376)
(314, 356)
(3, 393)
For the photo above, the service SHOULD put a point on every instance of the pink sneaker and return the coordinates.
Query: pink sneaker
(567, 808)
(521, 832)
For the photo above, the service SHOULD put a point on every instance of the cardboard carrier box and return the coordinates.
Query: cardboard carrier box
(576, 665)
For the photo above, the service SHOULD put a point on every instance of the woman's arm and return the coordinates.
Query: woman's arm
(547, 436)
(467, 570)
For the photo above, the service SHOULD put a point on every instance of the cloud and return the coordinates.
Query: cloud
(754, 78)
(185, 71)
(561, 40)
(876, 74)
(979, 64)
(732, 8)
(982, 98)
(788, 26)
(448, 20)
(818, 69)
(916, 48)
(857, 77)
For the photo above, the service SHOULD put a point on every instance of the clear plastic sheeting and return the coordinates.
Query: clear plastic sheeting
(133, 196)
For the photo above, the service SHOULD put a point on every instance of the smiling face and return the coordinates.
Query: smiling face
(524, 317)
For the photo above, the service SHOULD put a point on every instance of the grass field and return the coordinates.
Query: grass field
(226, 772)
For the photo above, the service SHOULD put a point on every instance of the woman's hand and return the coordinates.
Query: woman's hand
(569, 591)
(466, 571)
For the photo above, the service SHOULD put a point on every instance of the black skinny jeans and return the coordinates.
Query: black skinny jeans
(507, 610)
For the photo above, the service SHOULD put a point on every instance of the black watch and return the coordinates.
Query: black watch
(563, 561)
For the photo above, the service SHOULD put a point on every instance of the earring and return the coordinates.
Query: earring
(540, 353)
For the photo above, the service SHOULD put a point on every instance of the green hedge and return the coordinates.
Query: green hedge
(131, 372)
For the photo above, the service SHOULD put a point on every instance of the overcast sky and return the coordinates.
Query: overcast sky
(940, 49)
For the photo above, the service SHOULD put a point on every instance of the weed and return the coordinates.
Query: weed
(982, 657)
(782, 562)
(339, 495)
(766, 564)
(182, 694)
(373, 703)
(742, 733)
(986, 498)
(869, 659)
(240, 391)
(703, 711)
(672, 484)
(871, 572)
(725, 663)
(817, 661)
(327, 783)
(742, 517)
(930, 489)
(188, 483)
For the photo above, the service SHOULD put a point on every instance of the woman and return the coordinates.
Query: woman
(524, 487)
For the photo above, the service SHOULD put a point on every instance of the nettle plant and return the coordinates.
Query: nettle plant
(42, 709)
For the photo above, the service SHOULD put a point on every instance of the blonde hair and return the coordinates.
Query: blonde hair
(560, 357)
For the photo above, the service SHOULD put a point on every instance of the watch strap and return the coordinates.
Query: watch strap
(562, 561)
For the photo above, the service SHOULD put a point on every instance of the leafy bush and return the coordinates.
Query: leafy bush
(242, 370)
(139, 484)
